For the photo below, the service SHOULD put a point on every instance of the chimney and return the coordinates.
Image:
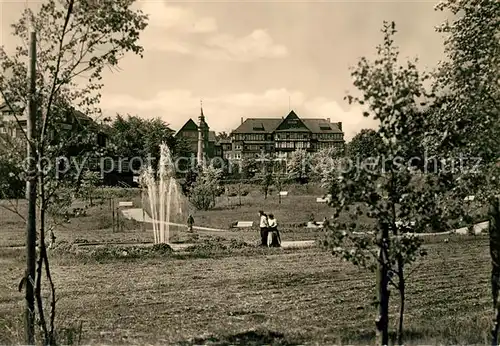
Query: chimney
(328, 120)
(340, 125)
(242, 120)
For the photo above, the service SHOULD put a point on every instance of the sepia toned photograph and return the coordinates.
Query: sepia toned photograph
(249, 172)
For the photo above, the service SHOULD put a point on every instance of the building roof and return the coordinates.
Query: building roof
(190, 125)
(292, 122)
(211, 136)
(77, 116)
(321, 126)
(258, 125)
(269, 125)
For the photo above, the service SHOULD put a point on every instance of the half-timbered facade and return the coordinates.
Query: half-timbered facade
(281, 136)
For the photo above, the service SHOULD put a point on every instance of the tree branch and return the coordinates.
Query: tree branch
(9, 105)
(13, 210)
(56, 73)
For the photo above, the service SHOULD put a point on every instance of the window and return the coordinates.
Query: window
(254, 137)
(303, 145)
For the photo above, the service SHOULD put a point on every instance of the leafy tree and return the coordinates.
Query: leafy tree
(88, 184)
(189, 182)
(137, 137)
(127, 136)
(465, 117)
(249, 168)
(267, 178)
(279, 184)
(225, 165)
(299, 166)
(398, 199)
(75, 39)
(223, 135)
(12, 184)
(206, 188)
(326, 165)
(364, 145)
(233, 170)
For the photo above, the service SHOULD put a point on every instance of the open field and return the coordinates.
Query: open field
(301, 296)
(242, 295)
(96, 226)
(295, 209)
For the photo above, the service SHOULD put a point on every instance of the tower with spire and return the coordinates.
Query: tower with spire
(202, 137)
(201, 141)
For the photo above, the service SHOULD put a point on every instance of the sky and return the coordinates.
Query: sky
(250, 59)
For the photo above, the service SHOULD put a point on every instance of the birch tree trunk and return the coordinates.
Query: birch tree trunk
(382, 321)
(495, 264)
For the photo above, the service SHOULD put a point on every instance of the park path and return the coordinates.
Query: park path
(137, 214)
(140, 216)
(284, 244)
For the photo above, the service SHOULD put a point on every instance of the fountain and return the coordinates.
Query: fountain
(163, 195)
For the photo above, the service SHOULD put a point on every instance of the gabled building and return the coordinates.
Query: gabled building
(190, 132)
(13, 123)
(281, 136)
(72, 122)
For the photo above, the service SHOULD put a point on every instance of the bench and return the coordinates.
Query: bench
(312, 224)
(326, 199)
(125, 204)
(405, 226)
(401, 223)
(243, 224)
(283, 193)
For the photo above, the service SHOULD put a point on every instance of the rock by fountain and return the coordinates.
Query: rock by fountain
(163, 196)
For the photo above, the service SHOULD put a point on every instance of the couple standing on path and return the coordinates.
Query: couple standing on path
(269, 233)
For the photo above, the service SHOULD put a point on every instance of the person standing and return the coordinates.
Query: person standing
(52, 239)
(274, 233)
(190, 223)
(264, 226)
(326, 223)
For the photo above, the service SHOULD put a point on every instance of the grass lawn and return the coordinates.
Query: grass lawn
(301, 296)
(264, 296)
(96, 226)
